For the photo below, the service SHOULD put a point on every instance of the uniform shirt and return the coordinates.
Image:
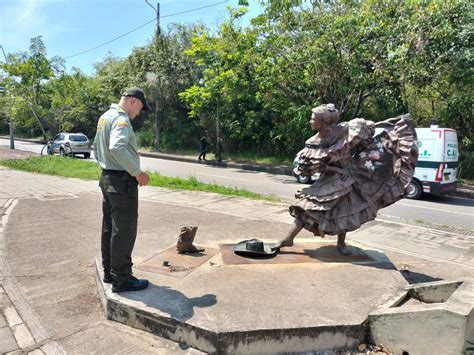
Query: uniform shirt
(115, 145)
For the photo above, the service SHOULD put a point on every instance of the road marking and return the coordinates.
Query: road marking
(434, 209)
(230, 178)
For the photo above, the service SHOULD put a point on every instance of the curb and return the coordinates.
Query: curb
(465, 191)
(39, 141)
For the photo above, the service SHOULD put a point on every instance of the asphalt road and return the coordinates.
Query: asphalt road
(443, 211)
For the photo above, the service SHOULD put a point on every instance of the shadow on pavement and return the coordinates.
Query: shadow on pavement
(363, 257)
(170, 301)
(416, 277)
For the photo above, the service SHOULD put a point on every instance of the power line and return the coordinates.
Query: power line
(112, 40)
(137, 28)
(198, 8)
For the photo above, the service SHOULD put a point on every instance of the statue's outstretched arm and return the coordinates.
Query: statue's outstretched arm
(387, 123)
(392, 121)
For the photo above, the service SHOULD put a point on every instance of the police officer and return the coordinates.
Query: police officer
(115, 148)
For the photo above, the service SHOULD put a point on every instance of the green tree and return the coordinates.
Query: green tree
(75, 101)
(28, 71)
(437, 70)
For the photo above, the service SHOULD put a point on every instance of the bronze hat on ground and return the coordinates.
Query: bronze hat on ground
(253, 247)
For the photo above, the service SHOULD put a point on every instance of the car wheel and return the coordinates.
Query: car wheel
(304, 179)
(62, 152)
(414, 190)
(87, 155)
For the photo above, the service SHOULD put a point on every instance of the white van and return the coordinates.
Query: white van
(436, 169)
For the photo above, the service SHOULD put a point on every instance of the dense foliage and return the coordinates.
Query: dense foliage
(255, 85)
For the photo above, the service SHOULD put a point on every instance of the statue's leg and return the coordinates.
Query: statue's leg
(296, 227)
(341, 244)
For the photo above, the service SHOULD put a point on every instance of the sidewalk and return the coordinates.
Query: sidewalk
(47, 285)
(49, 238)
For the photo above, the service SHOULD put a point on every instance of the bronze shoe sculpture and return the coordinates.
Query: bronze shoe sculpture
(185, 241)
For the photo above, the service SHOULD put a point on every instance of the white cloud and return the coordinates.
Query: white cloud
(26, 10)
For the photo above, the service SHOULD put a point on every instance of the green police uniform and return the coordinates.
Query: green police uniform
(115, 149)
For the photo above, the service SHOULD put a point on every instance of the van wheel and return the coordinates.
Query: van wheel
(414, 190)
(304, 179)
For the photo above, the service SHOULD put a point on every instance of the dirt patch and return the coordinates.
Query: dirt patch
(7, 154)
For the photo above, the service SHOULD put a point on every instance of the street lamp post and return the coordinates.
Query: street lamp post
(10, 121)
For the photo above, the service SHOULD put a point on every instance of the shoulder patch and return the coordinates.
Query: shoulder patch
(100, 124)
(122, 123)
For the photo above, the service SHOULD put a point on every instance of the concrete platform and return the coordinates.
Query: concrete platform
(52, 235)
(439, 313)
(311, 304)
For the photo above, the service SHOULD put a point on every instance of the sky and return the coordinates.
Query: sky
(69, 27)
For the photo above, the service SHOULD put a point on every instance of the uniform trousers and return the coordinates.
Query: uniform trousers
(119, 222)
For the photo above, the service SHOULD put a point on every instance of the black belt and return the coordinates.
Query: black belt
(114, 172)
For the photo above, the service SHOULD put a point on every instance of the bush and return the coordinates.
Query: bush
(466, 165)
(146, 138)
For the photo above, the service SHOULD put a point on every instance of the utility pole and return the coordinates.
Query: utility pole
(157, 9)
(217, 117)
(158, 28)
(156, 89)
(10, 121)
(218, 144)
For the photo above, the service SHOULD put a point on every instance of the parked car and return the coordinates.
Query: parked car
(71, 144)
(300, 178)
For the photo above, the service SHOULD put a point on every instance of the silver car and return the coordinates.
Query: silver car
(71, 144)
(300, 178)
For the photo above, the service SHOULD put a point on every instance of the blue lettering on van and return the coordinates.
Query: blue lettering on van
(452, 153)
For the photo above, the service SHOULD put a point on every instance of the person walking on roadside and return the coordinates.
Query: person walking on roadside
(203, 148)
(115, 149)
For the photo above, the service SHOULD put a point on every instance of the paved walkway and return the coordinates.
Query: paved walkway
(22, 326)
(49, 303)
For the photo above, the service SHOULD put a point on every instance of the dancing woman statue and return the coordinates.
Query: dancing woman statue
(363, 166)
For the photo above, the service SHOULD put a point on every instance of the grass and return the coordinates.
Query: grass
(255, 158)
(88, 170)
(58, 166)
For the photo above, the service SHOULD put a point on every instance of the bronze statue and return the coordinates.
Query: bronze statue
(361, 171)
